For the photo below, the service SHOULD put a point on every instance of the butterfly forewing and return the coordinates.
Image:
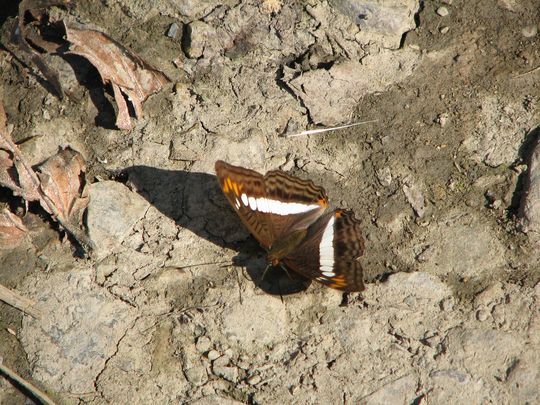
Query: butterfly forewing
(237, 181)
(330, 252)
(302, 201)
(271, 206)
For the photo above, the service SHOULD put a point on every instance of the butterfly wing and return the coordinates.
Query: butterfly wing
(271, 206)
(298, 202)
(330, 251)
(237, 182)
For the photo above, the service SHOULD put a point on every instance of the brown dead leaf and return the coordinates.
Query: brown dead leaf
(36, 9)
(61, 183)
(57, 186)
(12, 173)
(12, 230)
(126, 71)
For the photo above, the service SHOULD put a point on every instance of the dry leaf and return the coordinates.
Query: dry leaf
(61, 183)
(13, 174)
(12, 230)
(58, 187)
(126, 71)
(20, 36)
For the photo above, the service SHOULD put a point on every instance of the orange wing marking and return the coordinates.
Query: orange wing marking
(338, 281)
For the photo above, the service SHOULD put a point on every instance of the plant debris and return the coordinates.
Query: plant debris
(12, 230)
(56, 185)
(21, 35)
(126, 71)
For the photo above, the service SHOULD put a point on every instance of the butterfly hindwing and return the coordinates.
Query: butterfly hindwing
(330, 252)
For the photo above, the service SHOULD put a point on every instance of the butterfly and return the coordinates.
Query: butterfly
(290, 219)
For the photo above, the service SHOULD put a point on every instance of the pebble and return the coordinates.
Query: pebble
(254, 379)
(442, 11)
(173, 31)
(112, 212)
(529, 31)
(203, 344)
(384, 175)
(442, 119)
(481, 315)
(213, 355)
(221, 361)
(197, 375)
(444, 30)
(228, 373)
(496, 204)
(447, 304)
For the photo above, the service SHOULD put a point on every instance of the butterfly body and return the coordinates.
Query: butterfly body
(289, 218)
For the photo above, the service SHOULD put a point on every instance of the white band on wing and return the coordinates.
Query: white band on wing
(326, 250)
(269, 206)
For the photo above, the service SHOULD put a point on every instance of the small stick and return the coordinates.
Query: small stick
(18, 381)
(18, 301)
(320, 130)
(527, 72)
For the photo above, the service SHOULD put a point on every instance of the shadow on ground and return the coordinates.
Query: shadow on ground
(195, 201)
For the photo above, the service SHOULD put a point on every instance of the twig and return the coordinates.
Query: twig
(320, 130)
(527, 72)
(18, 301)
(18, 381)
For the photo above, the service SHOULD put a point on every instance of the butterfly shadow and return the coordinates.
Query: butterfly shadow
(195, 202)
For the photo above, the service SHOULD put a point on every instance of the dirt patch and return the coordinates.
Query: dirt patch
(174, 308)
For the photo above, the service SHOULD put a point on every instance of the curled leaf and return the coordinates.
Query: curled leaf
(13, 174)
(61, 183)
(21, 36)
(12, 230)
(125, 70)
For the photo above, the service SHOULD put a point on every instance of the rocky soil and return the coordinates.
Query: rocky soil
(172, 308)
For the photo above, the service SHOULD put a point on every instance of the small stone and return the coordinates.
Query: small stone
(173, 31)
(384, 176)
(228, 373)
(447, 304)
(254, 379)
(112, 212)
(197, 33)
(46, 115)
(197, 375)
(529, 31)
(213, 355)
(481, 315)
(203, 344)
(444, 30)
(414, 196)
(221, 361)
(442, 119)
(496, 204)
(443, 11)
